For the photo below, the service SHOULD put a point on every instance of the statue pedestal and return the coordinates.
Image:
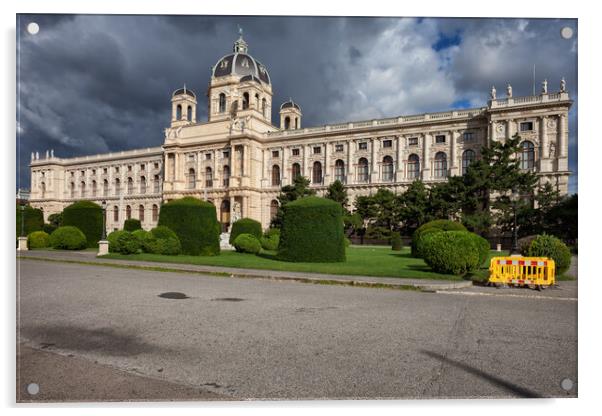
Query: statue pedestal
(22, 244)
(103, 248)
(498, 247)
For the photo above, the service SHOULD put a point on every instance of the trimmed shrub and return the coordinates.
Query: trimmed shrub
(140, 234)
(49, 228)
(132, 224)
(245, 226)
(312, 231)
(195, 223)
(87, 216)
(436, 225)
(247, 243)
(38, 239)
(162, 240)
(452, 252)
(484, 249)
(553, 248)
(396, 242)
(128, 243)
(524, 243)
(68, 237)
(33, 220)
(270, 239)
(113, 240)
(347, 242)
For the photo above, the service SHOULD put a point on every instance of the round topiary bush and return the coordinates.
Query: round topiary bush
(270, 239)
(433, 226)
(128, 243)
(452, 252)
(87, 216)
(68, 237)
(132, 224)
(247, 243)
(140, 234)
(38, 239)
(245, 226)
(33, 220)
(195, 223)
(396, 242)
(113, 239)
(162, 240)
(312, 231)
(553, 248)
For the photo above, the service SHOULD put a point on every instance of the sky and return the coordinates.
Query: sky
(89, 84)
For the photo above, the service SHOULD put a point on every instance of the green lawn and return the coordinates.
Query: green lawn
(373, 261)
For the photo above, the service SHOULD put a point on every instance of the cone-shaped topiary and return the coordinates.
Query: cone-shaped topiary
(33, 220)
(195, 223)
(132, 224)
(312, 231)
(87, 216)
(245, 226)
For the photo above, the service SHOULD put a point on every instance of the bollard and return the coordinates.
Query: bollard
(498, 247)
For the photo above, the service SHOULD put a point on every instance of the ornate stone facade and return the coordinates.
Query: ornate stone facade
(239, 160)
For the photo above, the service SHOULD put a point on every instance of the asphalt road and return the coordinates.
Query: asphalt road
(258, 339)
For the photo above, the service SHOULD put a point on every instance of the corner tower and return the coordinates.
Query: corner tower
(290, 116)
(183, 107)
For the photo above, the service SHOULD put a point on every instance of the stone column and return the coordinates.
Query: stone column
(562, 139)
(246, 167)
(285, 169)
(543, 138)
(350, 161)
(426, 156)
(265, 165)
(306, 161)
(452, 153)
(509, 129)
(326, 176)
(216, 175)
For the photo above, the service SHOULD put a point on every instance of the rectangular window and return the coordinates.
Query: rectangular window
(93, 171)
(142, 167)
(129, 168)
(105, 170)
(363, 146)
(207, 156)
(387, 143)
(156, 165)
(526, 126)
(295, 152)
(413, 141)
(338, 148)
(275, 153)
(226, 154)
(440, 138)
(116, 169)
(468, 136)
(317, 150)
(83, 172)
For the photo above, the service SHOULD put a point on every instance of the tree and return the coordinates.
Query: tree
(56, 219)
(561, 219)
(337, 192)
(298, 189)
(413, 206)
(380, 211)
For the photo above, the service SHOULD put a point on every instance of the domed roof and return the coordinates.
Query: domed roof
(290, 104)
(241, 63)
(182, 91)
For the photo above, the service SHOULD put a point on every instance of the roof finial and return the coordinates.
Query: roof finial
(184, 88)
(240, 46)
(239, 31)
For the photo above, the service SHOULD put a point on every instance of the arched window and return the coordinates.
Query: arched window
(413, 166)
(273, 208)
(208, 178)
(117, 186)
(143, 184)
(141, 213)
(263, 106)
(105, 187)
(287, 123)
(189, 113)
(527, 155)
(296, 171)
(191, 179)
(130, 186)
(275, 175)
(467, 158)
(156, 184)
(317, 173)
(93, 188)
(440, 165)
(387, 168)
(43, 188)
(245, 101)
(339, 171)
(155, 212)
(226, 176)
(179, 112)
(128, 212)
(362, 170)
(82, 188)
(257, 101)
(222, 103)
(72, 190)
(115, 213)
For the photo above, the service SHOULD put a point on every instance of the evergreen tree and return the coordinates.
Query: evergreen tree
(337, 192)
(413, 207)
(298, 189)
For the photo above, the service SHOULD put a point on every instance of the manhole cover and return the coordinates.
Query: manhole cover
(173, 295)
(228, 299)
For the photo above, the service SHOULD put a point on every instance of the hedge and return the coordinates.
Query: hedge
(68, 237)
(247, 243)
(132, 224)
(161, 240)
(312, 231)
(453, 252)
(140, 234)
(49, 228)
(195, 223)
(551, 247)
(33, 220)
(87, 216)
(270, 239)
(433, 226)
(38, 239)
(113, 239)
(245, 226)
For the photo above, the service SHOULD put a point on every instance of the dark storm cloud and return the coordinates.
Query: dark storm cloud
(98, 83)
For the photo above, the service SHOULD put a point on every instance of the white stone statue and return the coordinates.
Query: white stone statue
(562, 85)
(32, 156)
(509, 91)
(552, 150)
(52, 153)
(37, 156)
(236, 214)
(47, 154)
(544, 86)
(493, 92)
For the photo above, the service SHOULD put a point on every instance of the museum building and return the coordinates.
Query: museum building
(239, 160)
